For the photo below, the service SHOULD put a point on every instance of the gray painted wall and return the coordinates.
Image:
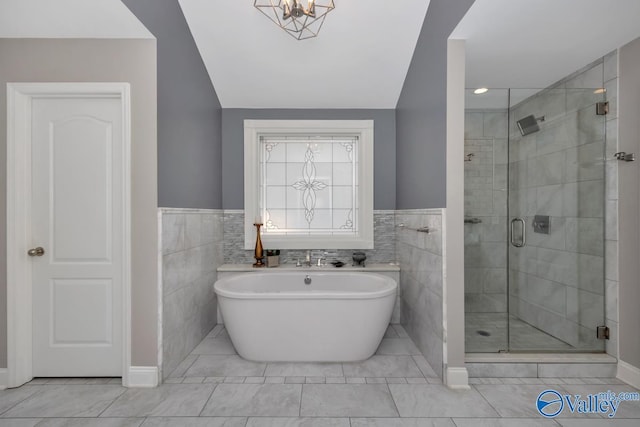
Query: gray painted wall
(421, 112)
(233, 148)
(189, 113)
(629, 203)
(79, 60)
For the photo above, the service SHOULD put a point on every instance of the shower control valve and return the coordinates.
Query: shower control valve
(627, 157)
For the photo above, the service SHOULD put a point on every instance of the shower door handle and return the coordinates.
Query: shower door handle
(523, 239)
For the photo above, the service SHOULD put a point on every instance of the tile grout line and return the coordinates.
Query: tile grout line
(217, 333)
(187, 369)
(112, 402)
(209, 399)
(395, 405)
(473, 387)
(300, 406)
(19, 402)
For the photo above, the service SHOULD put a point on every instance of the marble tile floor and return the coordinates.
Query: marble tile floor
(523, 336)
(214, 360)
(404, 393)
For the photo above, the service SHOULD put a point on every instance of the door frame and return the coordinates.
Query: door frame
(19, 215)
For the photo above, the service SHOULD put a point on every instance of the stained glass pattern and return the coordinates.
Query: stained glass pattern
(309, 184)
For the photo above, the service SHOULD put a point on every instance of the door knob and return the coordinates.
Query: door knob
(39, 251)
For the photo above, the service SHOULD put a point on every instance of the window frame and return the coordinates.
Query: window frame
(363, 129)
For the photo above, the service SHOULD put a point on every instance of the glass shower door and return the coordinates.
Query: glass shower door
(556, 220)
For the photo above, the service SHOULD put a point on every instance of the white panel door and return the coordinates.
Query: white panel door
(77, 218)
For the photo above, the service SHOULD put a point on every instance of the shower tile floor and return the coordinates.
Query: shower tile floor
(523, 337)
(215, 387)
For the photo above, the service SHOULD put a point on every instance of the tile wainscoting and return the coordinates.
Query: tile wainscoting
(195, 243)
(421, 281)
(191, 251)
(384, 236)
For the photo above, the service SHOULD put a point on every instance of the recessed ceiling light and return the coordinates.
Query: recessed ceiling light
(481, 90)
(600, 90)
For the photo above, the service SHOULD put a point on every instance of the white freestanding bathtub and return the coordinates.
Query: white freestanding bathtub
(337, 317)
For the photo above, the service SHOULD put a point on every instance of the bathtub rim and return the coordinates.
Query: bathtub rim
(390, 289)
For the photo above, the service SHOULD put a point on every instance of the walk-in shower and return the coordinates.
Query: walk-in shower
(534, 219)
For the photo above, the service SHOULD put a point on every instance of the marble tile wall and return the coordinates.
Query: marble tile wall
(485, 199)
(192, 250)
(542, 370)
(383, 232)
(421, 281)
(556, 280)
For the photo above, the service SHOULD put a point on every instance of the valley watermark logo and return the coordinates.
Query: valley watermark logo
(550, 403)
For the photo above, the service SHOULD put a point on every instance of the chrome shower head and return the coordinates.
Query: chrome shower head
(529, 124)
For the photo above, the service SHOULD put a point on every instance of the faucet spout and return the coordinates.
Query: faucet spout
(322, 260)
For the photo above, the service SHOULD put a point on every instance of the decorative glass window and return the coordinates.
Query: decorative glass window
(310, 183)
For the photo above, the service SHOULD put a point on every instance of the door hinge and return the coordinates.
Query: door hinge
(602, 108)
(602, 332)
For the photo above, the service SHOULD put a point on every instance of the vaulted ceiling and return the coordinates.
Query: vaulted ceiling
(359, 60)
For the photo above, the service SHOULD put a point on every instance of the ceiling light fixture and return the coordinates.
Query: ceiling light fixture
(481, 90)
(301, 19)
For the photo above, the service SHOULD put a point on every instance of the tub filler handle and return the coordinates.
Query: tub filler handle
(307, 280)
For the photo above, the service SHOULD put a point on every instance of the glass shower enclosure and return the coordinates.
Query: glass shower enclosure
(534, 219)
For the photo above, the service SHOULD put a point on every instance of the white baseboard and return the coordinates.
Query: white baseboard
(139, 376)
(629, 374)
(457, 378)
(4, 378)
(143, 376)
